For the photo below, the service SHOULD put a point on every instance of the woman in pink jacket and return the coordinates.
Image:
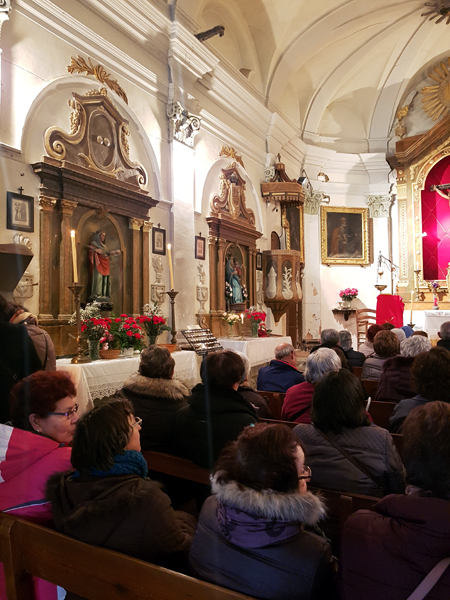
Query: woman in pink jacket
(44, 414)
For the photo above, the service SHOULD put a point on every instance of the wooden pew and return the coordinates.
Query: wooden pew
(357, 371)
(95, 573)
(290, 424)
(381, 412)
(176, 466)
(370, 386)
(275, 401)
(397, 438)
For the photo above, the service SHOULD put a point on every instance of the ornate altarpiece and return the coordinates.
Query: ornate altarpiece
(89, 183)
(231, 229)
(416, 160)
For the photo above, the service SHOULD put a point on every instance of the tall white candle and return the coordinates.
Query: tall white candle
(74, 256)
(242, 318)
(169, 252)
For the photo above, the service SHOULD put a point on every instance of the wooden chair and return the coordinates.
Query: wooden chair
(370, 386)
(397, 438)
(94, 573)
(357, 371)
(364, 318)
(381, 412)
(275, 401)
(182, 468)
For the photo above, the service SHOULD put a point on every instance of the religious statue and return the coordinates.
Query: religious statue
(99, 261)
(233, 277)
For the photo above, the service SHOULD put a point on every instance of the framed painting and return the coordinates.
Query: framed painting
(344, 234)
(159, 241)
(19, 212)
(259, 257)
(200, 245)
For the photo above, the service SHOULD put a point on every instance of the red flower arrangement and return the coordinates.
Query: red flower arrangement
(255, 316)
(122, 332)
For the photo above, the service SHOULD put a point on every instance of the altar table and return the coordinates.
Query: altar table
(106, 377)
(259, 351)
(434, 320)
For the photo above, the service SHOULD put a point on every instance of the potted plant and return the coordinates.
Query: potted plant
(231, 318)
(153, 323)
(256, 317)
(347, 296)
(93, 330)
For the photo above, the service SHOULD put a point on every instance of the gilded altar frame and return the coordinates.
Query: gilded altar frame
(354, 250)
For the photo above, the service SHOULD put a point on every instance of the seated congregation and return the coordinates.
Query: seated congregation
(258, 529)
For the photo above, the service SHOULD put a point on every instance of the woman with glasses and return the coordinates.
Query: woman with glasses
(109, 501)
(43, 417)
(257, 534)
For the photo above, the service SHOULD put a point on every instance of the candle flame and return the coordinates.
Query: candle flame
(72, 233)
(169, 246)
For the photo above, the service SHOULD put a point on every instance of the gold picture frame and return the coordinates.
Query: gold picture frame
(344, 235)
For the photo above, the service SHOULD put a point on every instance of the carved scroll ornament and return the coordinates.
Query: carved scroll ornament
(231, 198)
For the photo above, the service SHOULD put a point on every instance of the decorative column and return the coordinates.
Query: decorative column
(221, 304)
(46, 206)
(65, 262)
(5, 8)
(147, 227)
(212, 241)
(135, 225)
(252, 276)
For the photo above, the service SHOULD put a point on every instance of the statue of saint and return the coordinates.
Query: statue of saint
(99, 261)
(233, 276)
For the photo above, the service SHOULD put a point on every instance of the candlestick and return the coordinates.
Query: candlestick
(74, 257)
(169, 252)
(172, 295)
(81, 357)
(416, 284)
(242, 328)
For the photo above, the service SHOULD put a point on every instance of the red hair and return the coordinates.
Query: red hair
(372, 332)
(38, 394)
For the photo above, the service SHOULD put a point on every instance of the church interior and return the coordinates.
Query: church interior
(254, 173)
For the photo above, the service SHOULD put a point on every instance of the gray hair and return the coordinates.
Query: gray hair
(329, 336)
(345, 339)
(320, 362)
(414, 345)
(401, 335)
(445, 331)
(283, 350)
(247, 366)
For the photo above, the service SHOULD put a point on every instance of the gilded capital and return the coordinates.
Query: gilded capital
(68, 207)
(135, 224)
(379, 206)
(147, 227)
(47, 204)
(212, 240)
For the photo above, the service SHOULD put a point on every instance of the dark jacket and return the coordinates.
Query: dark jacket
(395, 380)
(444, 344)
(387, 551)
(372, 367)
(298, 403)
(402, 410)
(278, 376)
(354, 358)
(125, 513)
(212, 418)
(155, 401)
(371, 445)
(257, 401)
(18, 359)
(42, 341)
(242, 543)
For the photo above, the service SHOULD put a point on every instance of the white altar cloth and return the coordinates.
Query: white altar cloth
(434, 320)
(258, 350)
(105, 377)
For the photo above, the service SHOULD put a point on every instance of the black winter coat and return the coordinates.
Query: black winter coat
(155, 401)
(213, 418)
(395, 380)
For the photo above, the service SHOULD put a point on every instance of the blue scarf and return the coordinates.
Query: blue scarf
(130, 462)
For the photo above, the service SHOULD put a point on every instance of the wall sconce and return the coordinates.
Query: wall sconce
(304, 178)
(323, 177)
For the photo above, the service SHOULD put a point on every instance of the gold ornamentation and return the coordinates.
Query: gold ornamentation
(79, 65)
(101, 212)
(436, 101)
(231, 198)
(400, 130)
(231, 153)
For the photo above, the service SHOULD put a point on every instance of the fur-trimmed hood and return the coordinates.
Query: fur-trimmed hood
(306, 508)
(172, 389)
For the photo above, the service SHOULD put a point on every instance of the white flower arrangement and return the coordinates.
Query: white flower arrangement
(230, 317)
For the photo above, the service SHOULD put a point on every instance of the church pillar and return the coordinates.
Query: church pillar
(147, 227)
(212, 241)
(221, 304)
(46, 206)
(5, 8)
(135, 225)
(252, 276)
(65, 262)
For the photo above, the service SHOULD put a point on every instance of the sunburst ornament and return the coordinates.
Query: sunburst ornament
(436, 101)
(439, 10)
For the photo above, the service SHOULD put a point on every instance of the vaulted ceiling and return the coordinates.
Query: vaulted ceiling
(337, 69)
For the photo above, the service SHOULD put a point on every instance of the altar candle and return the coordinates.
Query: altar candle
(417, 267)
(74, 257)
(169, 252)
(242, 319)
(412, 295)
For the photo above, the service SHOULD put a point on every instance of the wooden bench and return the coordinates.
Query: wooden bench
(357, 372)
(397, 438)
(381, 412)
(176, 466)
(95, 573)
(275, 402)
(370, 386)
(290, 424)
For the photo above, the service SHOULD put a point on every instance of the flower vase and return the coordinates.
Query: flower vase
(151, 340)
(127, 352)
(346, 304)
(255, 327)
(231, 330)
(94, 348)
(435, 302)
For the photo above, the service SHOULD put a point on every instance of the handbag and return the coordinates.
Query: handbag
(430, 580)
(377, 480)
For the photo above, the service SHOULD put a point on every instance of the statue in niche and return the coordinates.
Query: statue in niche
(99, 262)
(233, 275)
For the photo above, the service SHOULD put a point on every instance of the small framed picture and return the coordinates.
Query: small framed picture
(19, 212)
(159, 241)
(259, 261)
(200, 247)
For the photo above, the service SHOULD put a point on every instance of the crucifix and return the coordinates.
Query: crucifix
(441, 189)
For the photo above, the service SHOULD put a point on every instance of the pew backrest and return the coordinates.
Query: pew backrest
(176, 466)
(27, 549)
(370, 386)
(381, 411)
(275, 402)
